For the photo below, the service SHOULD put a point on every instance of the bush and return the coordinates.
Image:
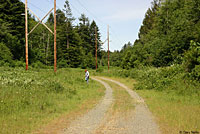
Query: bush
(19, 64)
(38, 65)
(88, 62)
(157, 78)
(195, 74)
(100, 70)
(192, 57)
(5, 53)
(62, 64)
(2, 63)
(55, 87)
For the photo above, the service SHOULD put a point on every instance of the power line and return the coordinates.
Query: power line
(50, 1)
(112, 30)
(114, 33)
(37, 7)
(80, 12)
(75, 9)
(94, 16)
(90, 12)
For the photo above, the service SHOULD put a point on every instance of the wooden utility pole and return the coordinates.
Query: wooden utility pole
(26, 33)
(108, 48)
(54, 35)
(96, 45)
(47, 48)
(40, 22)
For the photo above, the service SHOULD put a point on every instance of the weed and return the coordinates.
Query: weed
(32, 98)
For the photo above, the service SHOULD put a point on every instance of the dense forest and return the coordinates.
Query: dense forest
(169, 35)
(75, 43)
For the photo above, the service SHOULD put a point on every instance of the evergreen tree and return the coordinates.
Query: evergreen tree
(12, 21)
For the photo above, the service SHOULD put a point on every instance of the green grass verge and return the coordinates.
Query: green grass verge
(173, 111)
(123, 101)
(33, 98)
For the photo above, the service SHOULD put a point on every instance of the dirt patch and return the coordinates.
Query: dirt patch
(55, 126)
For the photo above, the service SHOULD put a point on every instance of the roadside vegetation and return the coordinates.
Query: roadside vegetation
(31, 99)
(123, 103)
(170, 93)
(162, 65)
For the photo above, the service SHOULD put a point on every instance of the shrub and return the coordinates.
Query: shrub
(62, 64)
(100, 70)
(195, 74)
(5, 53)
(192, 56)
(2, 63)
(19, 64)
(55, 87)
(38, 65)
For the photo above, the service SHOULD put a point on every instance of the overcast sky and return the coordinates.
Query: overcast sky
(123, 16)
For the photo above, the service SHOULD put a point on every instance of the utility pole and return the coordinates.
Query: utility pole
(96, 45)
(108, 48)
(26, 34)
(40, 22)
(47, 48)
(54, 35)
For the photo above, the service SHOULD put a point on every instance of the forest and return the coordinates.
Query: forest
(75, 43)
(168, 36)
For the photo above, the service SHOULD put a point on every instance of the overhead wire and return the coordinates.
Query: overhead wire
(36, 7)
(111, 31)
(90, 12)
(114, 33)
(75, 8)
(96, 18)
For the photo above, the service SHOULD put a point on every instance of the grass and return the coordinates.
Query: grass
(121, 108)
(176, 106)
(123, 101)
(174, 113)
(30, 99)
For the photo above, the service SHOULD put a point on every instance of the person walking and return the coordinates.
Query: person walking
(87, 76)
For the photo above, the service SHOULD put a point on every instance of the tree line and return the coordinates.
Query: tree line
(75, 42)
(169, 35)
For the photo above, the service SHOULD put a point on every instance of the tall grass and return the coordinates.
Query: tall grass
(173, 112)
(169, 79)
(31, 98)
(171, 95)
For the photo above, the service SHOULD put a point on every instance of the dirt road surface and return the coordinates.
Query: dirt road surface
(90, 121)
(141, 121)
(98, 121)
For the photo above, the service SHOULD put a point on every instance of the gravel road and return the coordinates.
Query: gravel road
(141, 121)
(90, 121)
(98, 120)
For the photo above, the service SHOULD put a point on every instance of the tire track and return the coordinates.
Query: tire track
(90, 121)
(141, 121)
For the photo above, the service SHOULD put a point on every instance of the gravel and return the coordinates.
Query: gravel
(99, 121)
(90, 121)
(141, 121)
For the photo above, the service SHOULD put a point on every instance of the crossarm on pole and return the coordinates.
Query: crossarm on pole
(40, 21)
(102, 42)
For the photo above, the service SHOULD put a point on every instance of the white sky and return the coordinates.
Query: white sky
(123, 16)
